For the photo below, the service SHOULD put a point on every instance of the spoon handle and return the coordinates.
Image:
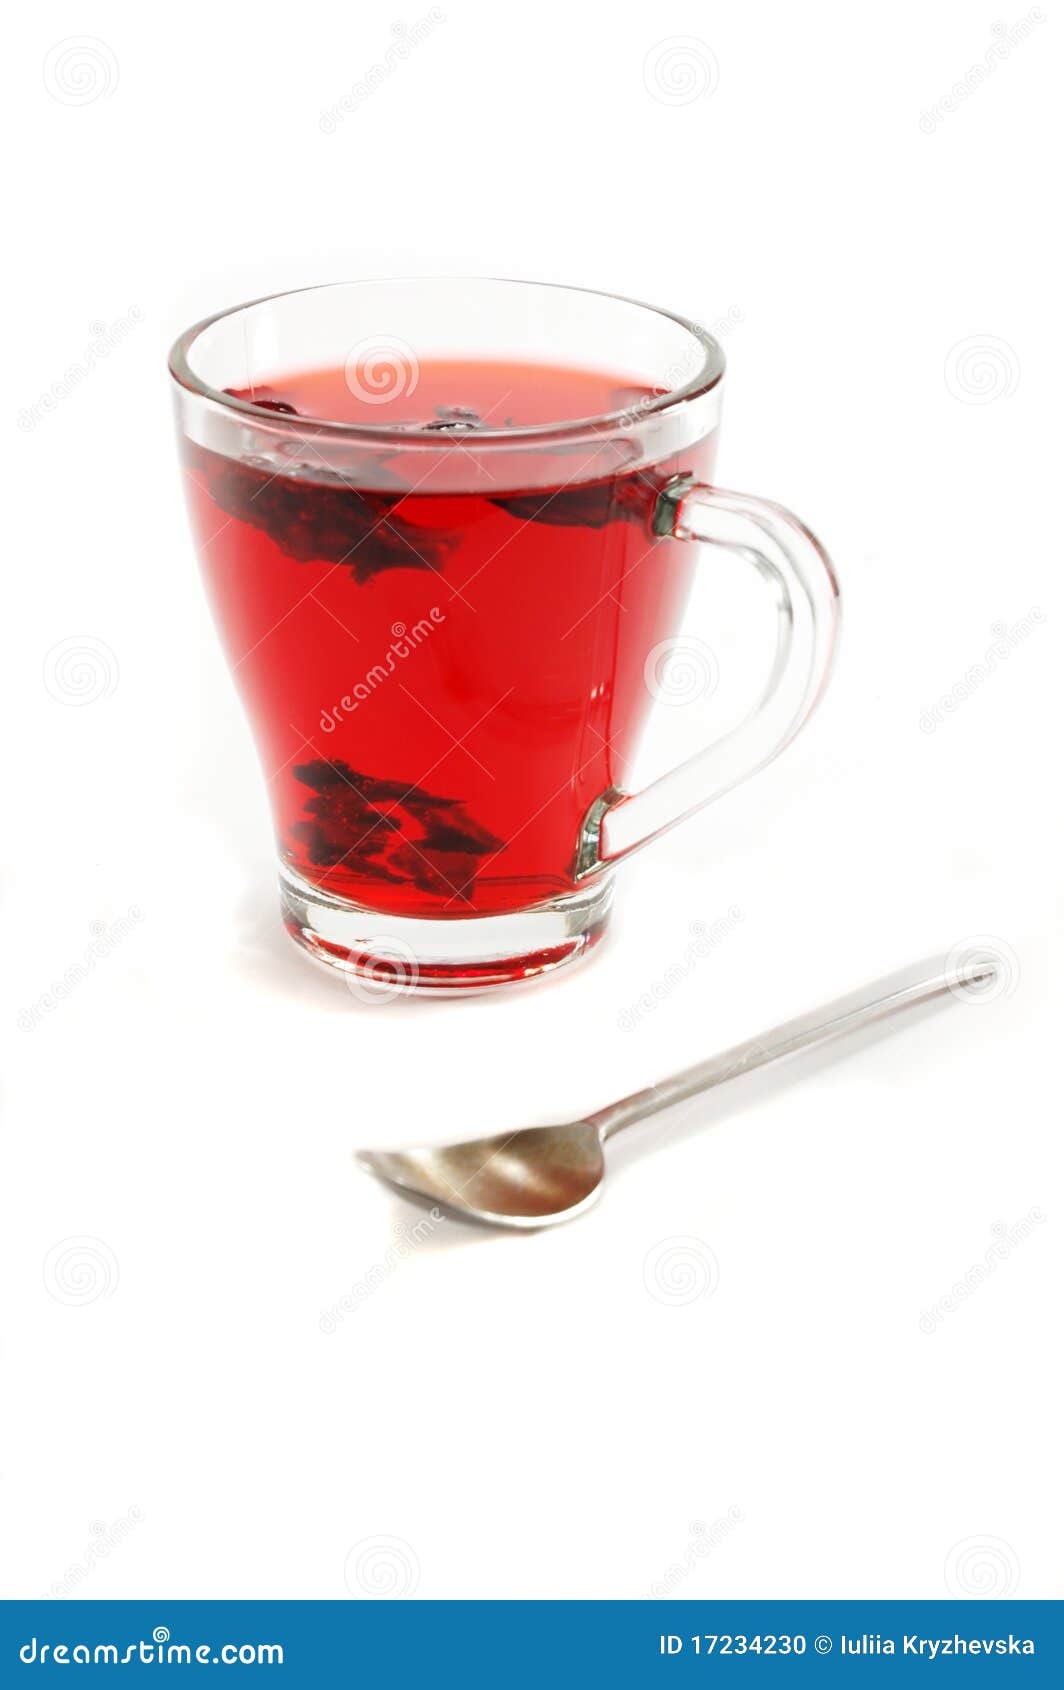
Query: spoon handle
(917, 984)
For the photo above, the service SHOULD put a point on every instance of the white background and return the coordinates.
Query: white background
(557, 1414)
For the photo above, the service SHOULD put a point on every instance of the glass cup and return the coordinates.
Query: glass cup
(445, 527)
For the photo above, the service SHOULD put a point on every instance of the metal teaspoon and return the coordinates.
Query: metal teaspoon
(538, 1176)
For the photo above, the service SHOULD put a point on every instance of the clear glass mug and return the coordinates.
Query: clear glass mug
(445, 526)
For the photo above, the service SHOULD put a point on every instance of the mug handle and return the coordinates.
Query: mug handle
(796, 567)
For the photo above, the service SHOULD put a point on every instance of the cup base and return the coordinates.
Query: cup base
(391, 956)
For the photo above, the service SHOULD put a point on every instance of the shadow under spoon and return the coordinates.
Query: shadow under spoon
(538, 1176)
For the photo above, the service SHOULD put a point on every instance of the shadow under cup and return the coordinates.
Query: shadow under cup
(425, 513)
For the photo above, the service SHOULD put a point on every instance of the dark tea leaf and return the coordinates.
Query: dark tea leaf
(389, 831)
(590, 504)
(325, 520)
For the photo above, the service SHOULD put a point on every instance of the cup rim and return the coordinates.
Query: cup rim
(708, 376)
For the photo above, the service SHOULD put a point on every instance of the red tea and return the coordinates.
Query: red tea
(441, 684)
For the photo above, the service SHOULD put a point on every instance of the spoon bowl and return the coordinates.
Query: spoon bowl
(531, 1178)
